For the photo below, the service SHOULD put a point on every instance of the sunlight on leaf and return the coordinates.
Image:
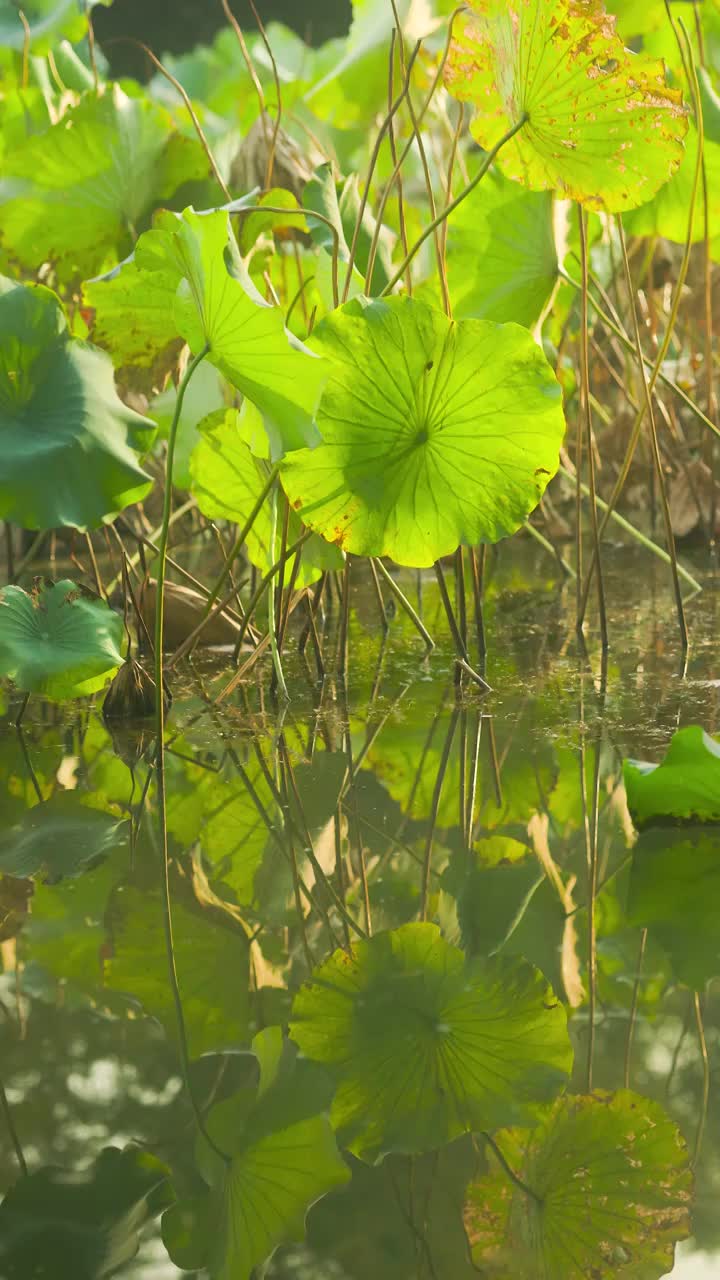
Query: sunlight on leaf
(60, 837)
(612, 1189)
(426, 1045)
(434, 433)
(76, 194)
(602, 126)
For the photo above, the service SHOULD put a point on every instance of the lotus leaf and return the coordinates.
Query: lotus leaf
(47, 21)
(501, 257)
(76, 195)
(434, 433)
(674, 893)
(188, 276)
(68, 441)
(227, 480)
(685, 786)
(609, 1187)
(600, 124)
(90, 1220)
(283, 1157)
(58, 640)
(60, 837)
(425, 1044)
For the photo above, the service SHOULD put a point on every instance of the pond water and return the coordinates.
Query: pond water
(293, 831)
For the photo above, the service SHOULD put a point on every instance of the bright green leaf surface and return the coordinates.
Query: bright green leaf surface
(501, 258)
(227, 480)
(686, 785)
(283, 1158)
(217, 305)
(59, 837)
(602, 127)
(68, 441)
(613, 1187)
(434, 433)
(667, 214)
(58, 641)
(426, 1045)
(76, 194)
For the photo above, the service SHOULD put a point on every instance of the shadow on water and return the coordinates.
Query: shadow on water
(334, 827)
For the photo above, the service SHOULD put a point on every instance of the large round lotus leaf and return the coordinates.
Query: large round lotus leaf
(612, 1190)
(685, 786)
(59, 838)
(77, 193)
(227, 480)
(500, 253)
(602, 127)
(68, 442)
(426, 1045)
(434, 433)
(58, 641)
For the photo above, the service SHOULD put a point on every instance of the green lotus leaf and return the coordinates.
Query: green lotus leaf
(500, 254)
(58, 640)
(434, 433)
(425, 1044)
(667, 214)
(68, 441)
(212, 968)
(674, 893)
(77, 194)
(130, 316)
(283, 1157)
(92, 1218)
(685, 786)
(610, 1190)
(601, 126)
(227, 480)
(60, 837)
(187, 279)
(47, 20)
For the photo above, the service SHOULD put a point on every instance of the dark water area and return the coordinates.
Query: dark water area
(295, 831)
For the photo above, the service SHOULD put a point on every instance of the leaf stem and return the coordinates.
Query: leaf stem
(452, 206)
(518, 1182)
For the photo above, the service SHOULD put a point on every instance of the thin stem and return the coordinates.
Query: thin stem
(452, 620)
(634, 1007)
(518, 1182)
(404, 603)
(5, 1107)
(647, 390)
(706, 1077)
(371, 169)
(437, 794)
(272, 632)
(450, 208)
(587, 415)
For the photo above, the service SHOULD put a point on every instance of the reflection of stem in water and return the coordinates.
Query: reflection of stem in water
(26, 757)
(634, 1007)
(678, 1047)
(494, 763)
(437, 793)
(462, 788)
(706, 1077)
(472, 788)
(340, 866)
(5, 1107)
(352, 807)
(419, 1236)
